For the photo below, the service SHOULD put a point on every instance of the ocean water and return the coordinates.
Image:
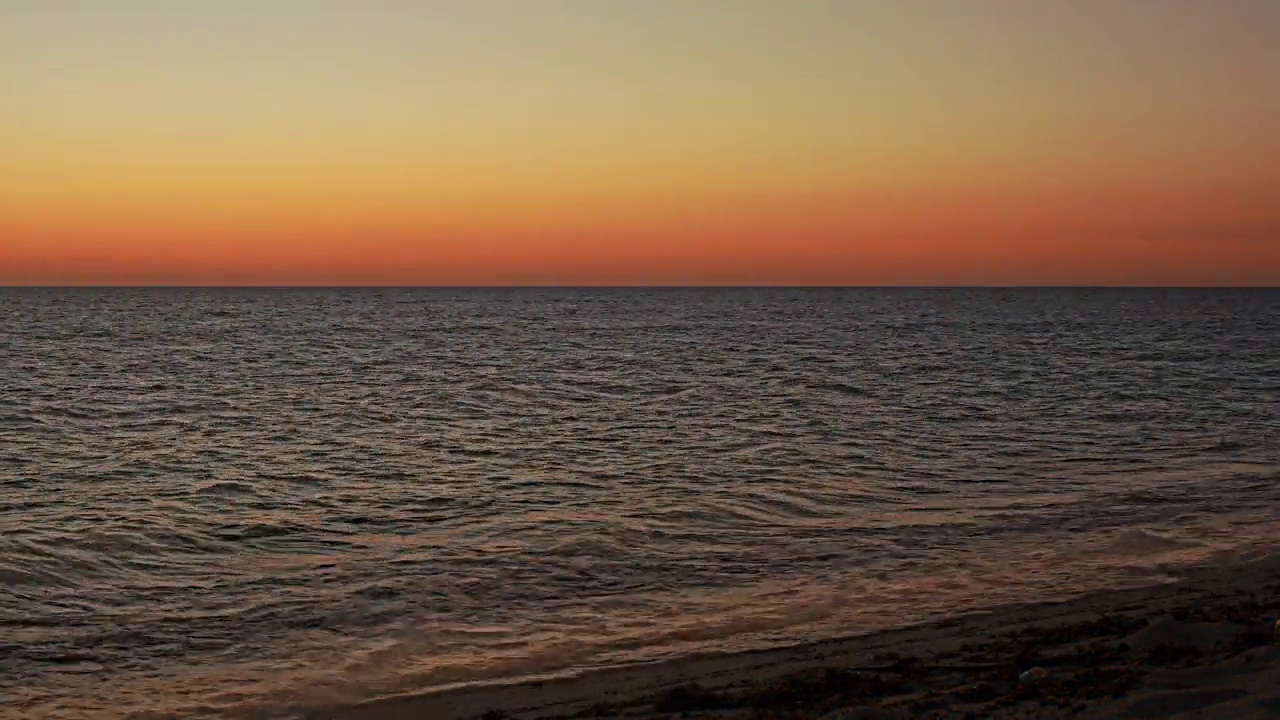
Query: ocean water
(252, 503)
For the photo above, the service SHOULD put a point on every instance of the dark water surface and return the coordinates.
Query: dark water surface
(245, 503)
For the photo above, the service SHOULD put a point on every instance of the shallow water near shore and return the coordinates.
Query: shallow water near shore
(246, 503)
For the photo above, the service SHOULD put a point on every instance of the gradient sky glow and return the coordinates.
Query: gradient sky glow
(640, 142)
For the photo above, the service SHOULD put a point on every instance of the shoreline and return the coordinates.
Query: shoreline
(1098, 655)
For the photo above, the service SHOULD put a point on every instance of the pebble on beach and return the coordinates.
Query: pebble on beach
(1034, 675)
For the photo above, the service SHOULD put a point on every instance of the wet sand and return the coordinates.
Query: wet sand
(1203, 647)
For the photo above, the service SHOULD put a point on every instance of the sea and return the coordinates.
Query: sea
(259, 503)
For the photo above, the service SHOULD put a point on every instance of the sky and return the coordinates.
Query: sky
(640, 142)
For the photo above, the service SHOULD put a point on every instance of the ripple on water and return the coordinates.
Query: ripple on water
(242, 503)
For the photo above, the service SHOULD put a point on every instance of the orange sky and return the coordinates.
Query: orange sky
(660, 142)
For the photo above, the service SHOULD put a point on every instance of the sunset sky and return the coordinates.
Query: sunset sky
(883, 142)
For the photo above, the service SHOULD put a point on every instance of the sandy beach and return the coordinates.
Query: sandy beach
(1203, 647)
